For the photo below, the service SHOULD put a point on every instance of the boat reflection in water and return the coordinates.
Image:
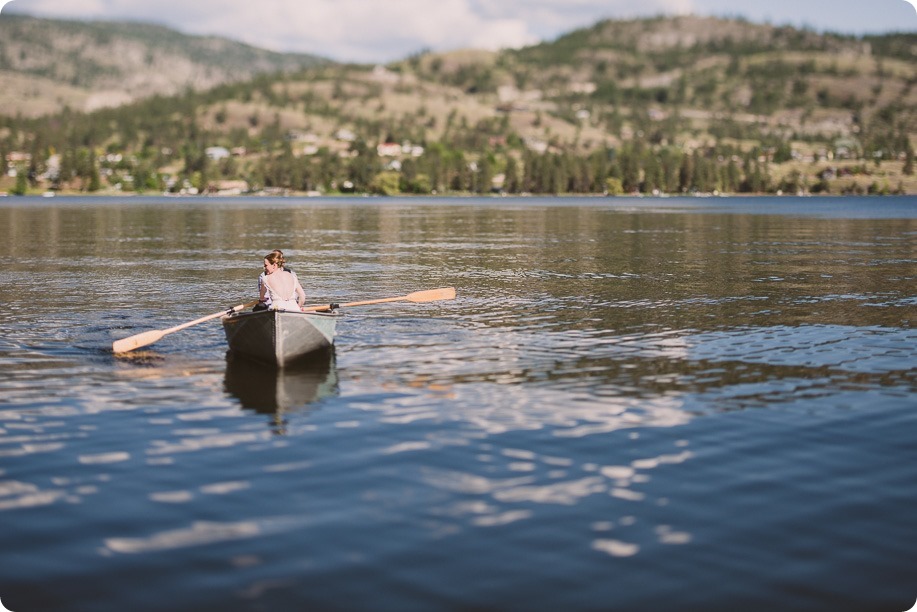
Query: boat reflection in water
(269, 389)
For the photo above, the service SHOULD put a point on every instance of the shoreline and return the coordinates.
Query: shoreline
(496, 196)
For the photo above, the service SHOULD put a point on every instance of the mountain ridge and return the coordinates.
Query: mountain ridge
(90, 64)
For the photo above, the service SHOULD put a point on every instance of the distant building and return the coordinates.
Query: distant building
(345, 135)
(17, 157)
(388, 149)
(217, 153)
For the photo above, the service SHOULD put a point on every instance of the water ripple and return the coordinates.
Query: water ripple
(633, 401)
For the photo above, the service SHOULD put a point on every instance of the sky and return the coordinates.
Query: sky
(370, 31)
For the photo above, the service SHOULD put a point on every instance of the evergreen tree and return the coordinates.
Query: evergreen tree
(653, 174)
(630, 171)
(731, 178)
(511, 181)
(671, 164)
(408, 175)
(686, 174)
(95, 182)
(485, 174)
(22, 183)
(599, 168)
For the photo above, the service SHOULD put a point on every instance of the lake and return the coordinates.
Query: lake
(632, 404)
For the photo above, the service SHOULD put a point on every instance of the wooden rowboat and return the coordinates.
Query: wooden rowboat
(279, 336)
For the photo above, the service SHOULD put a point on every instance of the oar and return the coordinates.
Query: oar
(431, 295)
(149, 337)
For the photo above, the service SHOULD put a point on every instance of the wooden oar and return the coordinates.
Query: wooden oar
(149, 337)
(431, 295)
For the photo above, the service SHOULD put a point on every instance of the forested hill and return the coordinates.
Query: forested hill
(795, 78)
(46, 64)
(662, 105)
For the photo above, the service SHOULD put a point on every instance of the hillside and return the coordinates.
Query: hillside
(699, 71)
(47, 64)
(664, 105)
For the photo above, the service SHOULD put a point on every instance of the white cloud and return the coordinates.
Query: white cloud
(357, 30)
(59, 8)
(549, 18)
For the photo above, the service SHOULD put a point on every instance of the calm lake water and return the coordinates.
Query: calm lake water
(633, 404)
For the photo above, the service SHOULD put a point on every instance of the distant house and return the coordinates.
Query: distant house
(392, 149)
(345, 135)
(18, 157)
(14, 159)
(217, 153)
(53, 167)
(388, 149)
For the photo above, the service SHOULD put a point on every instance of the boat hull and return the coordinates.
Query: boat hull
(278, 336)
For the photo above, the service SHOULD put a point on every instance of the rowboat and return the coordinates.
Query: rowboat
(273, 336)
(279, 336)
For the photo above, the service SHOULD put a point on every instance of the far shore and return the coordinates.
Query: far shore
(445, 196)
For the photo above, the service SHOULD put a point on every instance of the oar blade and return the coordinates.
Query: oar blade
(432, 295)
(126, 345)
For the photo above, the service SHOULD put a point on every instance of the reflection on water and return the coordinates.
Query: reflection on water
(631, 403)
(269, 389)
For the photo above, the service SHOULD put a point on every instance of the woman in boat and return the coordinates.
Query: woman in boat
(278, 287)
(283, 266)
